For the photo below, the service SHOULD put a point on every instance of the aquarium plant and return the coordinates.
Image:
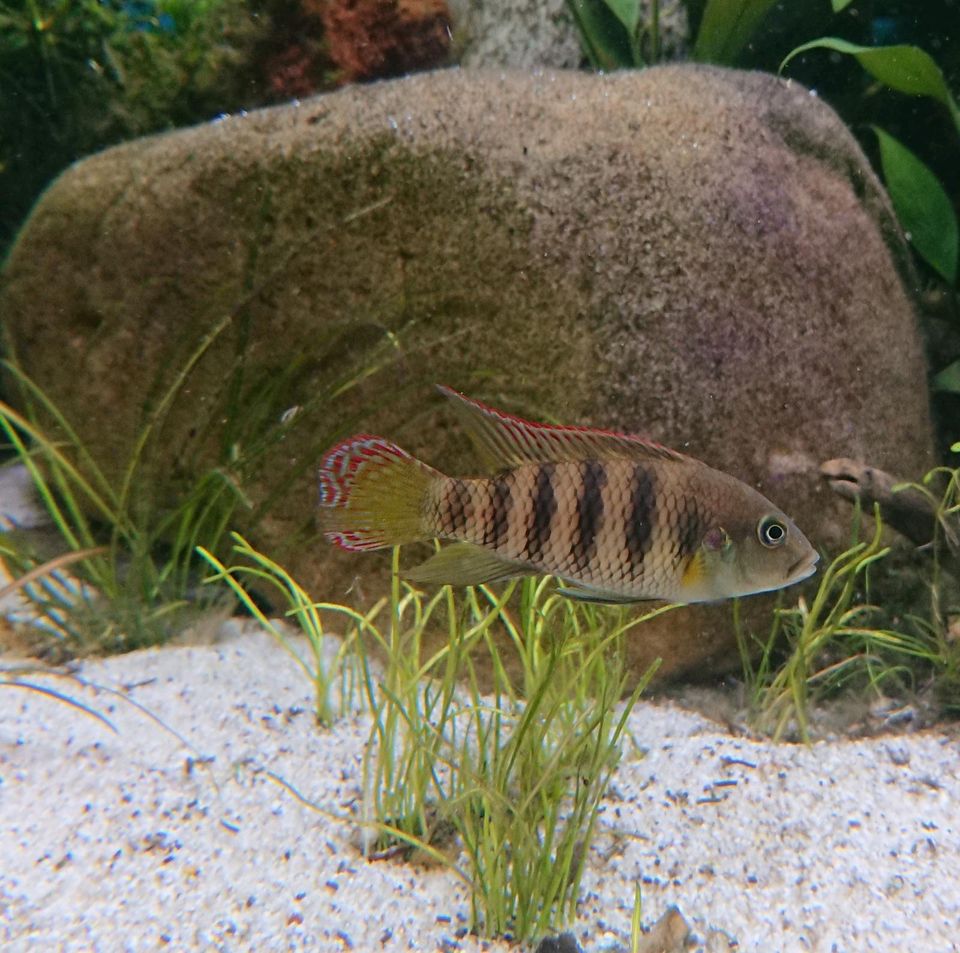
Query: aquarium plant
(500, 784)
(78, 75)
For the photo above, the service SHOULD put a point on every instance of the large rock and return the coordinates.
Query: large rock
(698, 254)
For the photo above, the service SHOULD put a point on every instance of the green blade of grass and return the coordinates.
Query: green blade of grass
(159, 412)
(59, 696)
(51, 566)
(65, 473)
(36, 400)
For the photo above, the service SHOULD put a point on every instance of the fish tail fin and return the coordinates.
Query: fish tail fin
(374, 494)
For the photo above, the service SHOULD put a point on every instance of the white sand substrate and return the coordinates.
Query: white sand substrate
(134, 841)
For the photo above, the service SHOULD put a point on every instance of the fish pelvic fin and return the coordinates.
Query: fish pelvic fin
(465, 564)
(373, 494)
(506, 441)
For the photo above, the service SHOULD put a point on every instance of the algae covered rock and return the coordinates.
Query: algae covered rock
(700, 255)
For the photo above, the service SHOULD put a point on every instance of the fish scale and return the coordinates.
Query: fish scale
(538, 514)
(616, 516)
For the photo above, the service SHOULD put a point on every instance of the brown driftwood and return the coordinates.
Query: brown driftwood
(907, 510)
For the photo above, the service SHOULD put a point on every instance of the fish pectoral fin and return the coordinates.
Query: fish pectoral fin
(598, 596)
(465, 564)
(695, 570)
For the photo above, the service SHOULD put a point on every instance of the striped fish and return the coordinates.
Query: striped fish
(617, 517)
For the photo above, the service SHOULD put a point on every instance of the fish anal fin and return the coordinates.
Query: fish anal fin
(597, 596)
(465, 564)
(507, 441)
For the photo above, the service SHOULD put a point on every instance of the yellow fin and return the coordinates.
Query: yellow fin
(465, 564)
(694, 571)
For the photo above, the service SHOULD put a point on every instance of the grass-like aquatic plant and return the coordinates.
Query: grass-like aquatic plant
(133, 550)
(501, 786)
(514, 776)
(941, 486)
(331, 665)
(939, 630)
(814, 650)
(130, 561)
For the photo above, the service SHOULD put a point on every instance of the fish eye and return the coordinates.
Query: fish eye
(771, 532)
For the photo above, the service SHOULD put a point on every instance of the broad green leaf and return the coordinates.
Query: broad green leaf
(949, 380)
(839, 5)
(907, 69)
(726, 28)
(627, 12)
(923, 207)
(605, 39)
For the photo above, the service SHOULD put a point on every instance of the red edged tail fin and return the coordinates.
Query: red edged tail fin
(373, 494)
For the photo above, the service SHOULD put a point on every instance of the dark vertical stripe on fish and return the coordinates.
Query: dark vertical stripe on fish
(544, 506)
(690, 530)
(498, 523)
(639, 530)
(589, 513)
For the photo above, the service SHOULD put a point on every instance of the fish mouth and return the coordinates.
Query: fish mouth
(805, 566)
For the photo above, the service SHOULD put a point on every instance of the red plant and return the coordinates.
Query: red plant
(372, 39)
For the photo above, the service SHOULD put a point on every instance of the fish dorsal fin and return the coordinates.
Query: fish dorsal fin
(506, 441)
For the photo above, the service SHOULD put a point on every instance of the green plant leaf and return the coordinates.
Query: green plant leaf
(907, 69)
(627, 12)
(726, 28)
(604, 35)
(840, 5)
(922, 205)
(949, 380)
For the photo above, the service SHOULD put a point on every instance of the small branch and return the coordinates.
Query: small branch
(907, 509)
